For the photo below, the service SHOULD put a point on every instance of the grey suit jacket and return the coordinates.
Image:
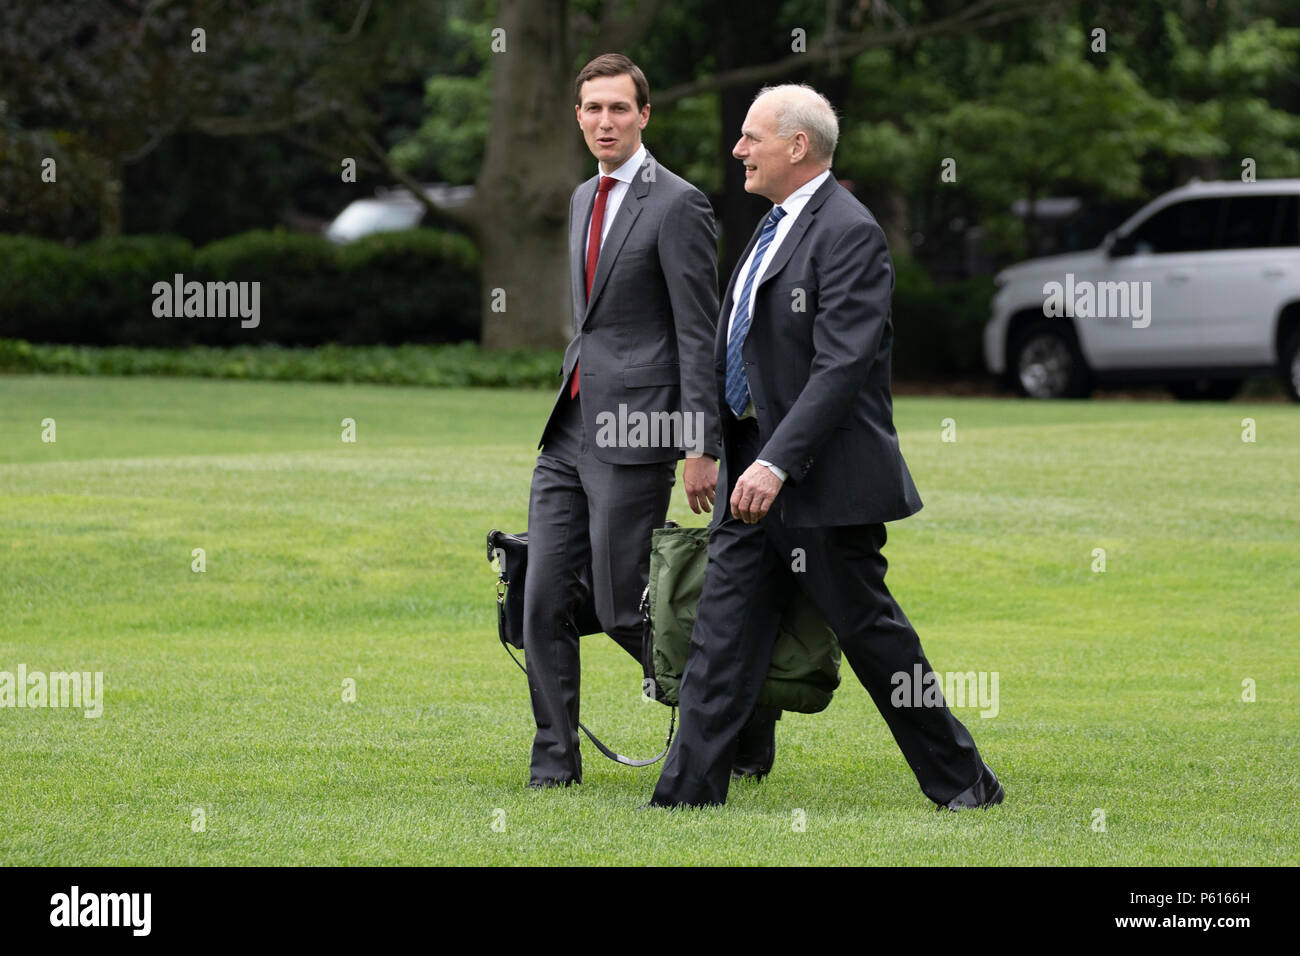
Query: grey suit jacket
(645, 338)
(817, 356)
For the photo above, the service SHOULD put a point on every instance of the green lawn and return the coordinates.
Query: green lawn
(1119, 691)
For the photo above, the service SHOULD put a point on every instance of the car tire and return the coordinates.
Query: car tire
(1206, 389)
(1044, 361)
(1289, 367)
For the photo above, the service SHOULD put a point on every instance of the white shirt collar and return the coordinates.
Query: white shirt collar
(795, 202)
(627, 172)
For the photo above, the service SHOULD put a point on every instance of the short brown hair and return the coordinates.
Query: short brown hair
(613, 64)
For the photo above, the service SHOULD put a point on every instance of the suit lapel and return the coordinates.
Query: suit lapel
(784, 251)
(797, 230)
(628, 211)
(791, 241)
(583, 201)
(724, 317)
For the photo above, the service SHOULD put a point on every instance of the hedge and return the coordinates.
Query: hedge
(418, 285)
(464, 364)
(938, 329)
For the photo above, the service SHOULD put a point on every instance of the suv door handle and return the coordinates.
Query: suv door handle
(1273, 273)
(1179, 276)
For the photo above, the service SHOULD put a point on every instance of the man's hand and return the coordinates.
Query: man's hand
(700, 479)
(754, 493)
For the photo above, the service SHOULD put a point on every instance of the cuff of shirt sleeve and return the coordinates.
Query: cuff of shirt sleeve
(774, 469)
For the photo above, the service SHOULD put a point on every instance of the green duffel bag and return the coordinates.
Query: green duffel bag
(805, 667)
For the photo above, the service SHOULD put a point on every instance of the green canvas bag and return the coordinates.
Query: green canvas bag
(805, 667)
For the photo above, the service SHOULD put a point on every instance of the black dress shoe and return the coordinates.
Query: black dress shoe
(549, 783)
(985, 792)
(756, 745)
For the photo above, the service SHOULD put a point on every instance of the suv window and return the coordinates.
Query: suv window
(1288, 222)
(1261, 222)
(1188, 226)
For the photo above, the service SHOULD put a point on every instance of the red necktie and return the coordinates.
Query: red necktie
(593, 251)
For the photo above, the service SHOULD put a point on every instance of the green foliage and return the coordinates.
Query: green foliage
(450, 142)
(449, 145)
(430, 366)
(109, 84)
(417, 285)
(119, 274)
(1029, 113)
(69, 207)
(938, 329)
(244, 256)
(685, 136)
(42, 282)
(1225, 90)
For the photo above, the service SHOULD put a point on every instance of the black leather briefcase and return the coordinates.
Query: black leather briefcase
(509, 556)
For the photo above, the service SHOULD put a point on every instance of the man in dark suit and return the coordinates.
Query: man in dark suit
(637, 395)
(811, 467)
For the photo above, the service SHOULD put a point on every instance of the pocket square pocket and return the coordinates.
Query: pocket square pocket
(644, 376)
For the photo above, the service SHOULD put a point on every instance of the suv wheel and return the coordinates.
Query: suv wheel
(1206, 389)
(1290, 367)
(1046, 363)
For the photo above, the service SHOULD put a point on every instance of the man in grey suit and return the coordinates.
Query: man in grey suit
(637, 395)
(811, 468)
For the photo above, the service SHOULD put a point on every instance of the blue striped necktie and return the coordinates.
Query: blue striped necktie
(737, 383)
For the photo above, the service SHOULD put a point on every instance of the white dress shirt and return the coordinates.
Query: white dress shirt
(624, 174)
(793, 205)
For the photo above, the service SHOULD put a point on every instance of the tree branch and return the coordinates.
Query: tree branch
(325, 151)
(155, 138)
(246, 126)
(463, 214)
(616, 35)
(977, 16)
(356, 24)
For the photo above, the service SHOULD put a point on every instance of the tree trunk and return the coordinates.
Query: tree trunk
(110, 203)
(527, 302)
(533, 160)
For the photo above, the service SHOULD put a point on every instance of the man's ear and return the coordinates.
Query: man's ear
(645, 116)
(798, 146)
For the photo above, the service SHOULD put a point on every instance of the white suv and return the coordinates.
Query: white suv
(1199, 289)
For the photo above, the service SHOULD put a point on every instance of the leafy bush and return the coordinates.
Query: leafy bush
(435, 366)
(390, 276)
(938, 329)
(419, 285)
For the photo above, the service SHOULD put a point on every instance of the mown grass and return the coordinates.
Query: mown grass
(1119, 691)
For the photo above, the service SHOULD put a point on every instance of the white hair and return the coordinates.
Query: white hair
(800, 108)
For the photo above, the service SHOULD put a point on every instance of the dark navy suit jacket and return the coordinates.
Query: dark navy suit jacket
(817, 356)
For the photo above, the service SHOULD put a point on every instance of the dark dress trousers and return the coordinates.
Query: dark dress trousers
(817, 358)
(643, 345)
